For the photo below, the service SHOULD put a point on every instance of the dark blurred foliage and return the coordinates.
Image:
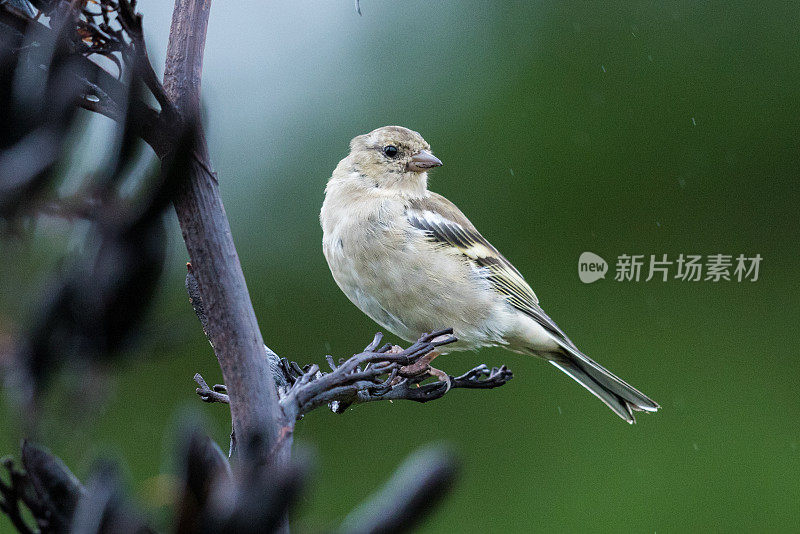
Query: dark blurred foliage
(92, 308)
(39, 95)
(212, 496)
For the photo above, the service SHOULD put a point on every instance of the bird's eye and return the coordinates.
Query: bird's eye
(390, 150)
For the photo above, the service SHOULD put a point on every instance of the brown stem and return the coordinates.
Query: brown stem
(232, 324)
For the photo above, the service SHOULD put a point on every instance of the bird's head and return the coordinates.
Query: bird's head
(391, 156)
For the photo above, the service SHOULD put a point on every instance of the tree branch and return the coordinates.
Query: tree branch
(232, 326)
(369, 376)
(377, 373)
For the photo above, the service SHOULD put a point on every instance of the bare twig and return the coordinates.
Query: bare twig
(373, 375)
(208, 394)
(132, 24)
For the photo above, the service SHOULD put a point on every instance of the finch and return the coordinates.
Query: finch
(410, 260)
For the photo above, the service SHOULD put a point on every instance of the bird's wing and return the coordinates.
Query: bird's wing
(444, 224)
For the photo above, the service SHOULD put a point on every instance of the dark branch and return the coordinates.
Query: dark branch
(375, 374)
(132, 24)
(232, 326)
(14, 495)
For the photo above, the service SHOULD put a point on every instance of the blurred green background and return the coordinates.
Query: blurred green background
(612, 127)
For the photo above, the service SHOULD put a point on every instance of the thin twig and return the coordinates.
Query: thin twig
(208, 394)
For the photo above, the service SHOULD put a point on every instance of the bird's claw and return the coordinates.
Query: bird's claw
(442, 377)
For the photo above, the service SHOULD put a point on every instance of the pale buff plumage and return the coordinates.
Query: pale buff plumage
(409, 259)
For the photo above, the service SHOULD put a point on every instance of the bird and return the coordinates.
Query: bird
(413, 262)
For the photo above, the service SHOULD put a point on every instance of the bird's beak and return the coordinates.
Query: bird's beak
(422, 161)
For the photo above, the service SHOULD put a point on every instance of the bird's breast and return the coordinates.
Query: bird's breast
(409, 286)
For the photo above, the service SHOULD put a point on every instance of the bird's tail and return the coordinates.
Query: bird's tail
(618, 395)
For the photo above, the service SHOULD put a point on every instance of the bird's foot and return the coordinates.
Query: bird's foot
(441, 376)
(422, 368)
(419, 367)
